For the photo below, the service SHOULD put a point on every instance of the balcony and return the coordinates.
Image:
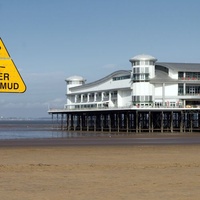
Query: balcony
(188, 79)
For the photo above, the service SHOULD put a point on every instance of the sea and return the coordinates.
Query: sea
(36, 129)
(31, 129)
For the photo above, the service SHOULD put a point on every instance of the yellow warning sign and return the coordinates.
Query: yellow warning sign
(3, 51)
(10, 79)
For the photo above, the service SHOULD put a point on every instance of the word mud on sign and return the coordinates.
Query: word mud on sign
(10, 78)
(9, 86)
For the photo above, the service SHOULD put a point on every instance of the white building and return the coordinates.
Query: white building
(148, 83)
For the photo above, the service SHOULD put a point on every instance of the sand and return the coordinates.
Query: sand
(103, 172)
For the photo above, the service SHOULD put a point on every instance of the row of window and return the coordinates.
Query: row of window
(189, 89)
(189, 75)
(103, 105)
(143, 62)
(106, 94)
(139, 70)
(140, 77)
(142, 98)
(74, 82)
(166, 104)
(121, 77)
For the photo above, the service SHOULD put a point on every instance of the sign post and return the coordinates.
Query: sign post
(10, 78)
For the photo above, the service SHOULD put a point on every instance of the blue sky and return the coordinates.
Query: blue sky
(52, 40)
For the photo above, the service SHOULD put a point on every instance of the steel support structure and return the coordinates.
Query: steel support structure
(130, 121)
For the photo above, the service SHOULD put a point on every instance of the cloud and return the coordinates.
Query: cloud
(11, 104)
(44, 90)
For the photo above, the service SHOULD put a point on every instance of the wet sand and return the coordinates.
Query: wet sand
(102, 172)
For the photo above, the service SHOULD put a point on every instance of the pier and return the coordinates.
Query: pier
(130, 120)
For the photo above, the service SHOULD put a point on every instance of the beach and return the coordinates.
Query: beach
(100, 172)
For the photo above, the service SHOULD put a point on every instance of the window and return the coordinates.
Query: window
(121, 77)
(69, 82)
(144, 98)
(142, 69)
(151, 63)
(192, 75)
(137, 63)
(146, 70)
(180, 89)
(192, 90)
(142, 62)
(173, 104)
(180, 75)
(140, 77)
(114, 94)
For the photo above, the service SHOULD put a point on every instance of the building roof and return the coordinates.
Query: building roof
(162, 72)
(102, 80)
(75, 78)
(162, 77)
(183, 67)
(142, 57)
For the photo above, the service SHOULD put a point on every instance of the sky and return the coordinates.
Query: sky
(52, 40)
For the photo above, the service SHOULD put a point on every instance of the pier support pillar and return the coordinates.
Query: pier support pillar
(127, 122)
(161, 122)
(95, 125)
(171, 122)
(109, 123)
(181, 121)
(149, 121)
(68, 125)
(136, 121)
(62, 121)
(102, 122)
(118, 122)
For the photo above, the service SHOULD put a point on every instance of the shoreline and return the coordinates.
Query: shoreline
(109, 140)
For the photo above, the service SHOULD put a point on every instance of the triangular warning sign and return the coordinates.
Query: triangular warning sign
(10, 79)
(3, 51)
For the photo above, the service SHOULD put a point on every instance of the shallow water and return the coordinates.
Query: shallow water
(18, 129)
(33, 129)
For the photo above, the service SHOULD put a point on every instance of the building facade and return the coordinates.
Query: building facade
(148, 84)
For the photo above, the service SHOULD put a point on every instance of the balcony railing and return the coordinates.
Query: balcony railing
(189, 94)
(189, 79)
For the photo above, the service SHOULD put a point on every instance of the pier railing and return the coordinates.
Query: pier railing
(124, 107)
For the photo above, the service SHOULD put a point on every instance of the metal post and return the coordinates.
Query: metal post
(81, 122)
(62, 121)
(109, 122)
(127, 122)
(95, 126)
(117, 122)
(161, 122)
(102, 118)
(181, 122)
(136, 124)
(149, 121)
(87, 122)
(171, 122)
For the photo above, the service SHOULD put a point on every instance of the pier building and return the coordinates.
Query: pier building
(150, 96)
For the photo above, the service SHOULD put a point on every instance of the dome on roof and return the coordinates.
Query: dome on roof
(142, 57)
(75, 78)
